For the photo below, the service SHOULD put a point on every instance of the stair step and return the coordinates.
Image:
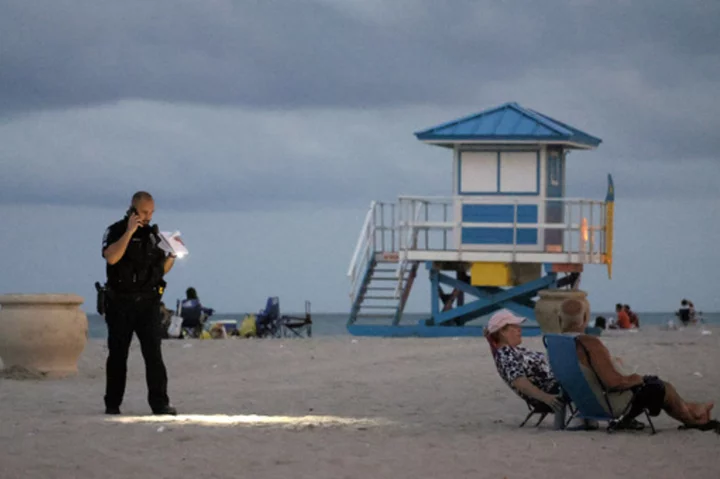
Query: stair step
(377, 306)
(378, 316)
(385, 270)
(380, 291)
(381, 297)
(382, 278)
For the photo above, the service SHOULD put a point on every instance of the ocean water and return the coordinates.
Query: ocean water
(333, 324)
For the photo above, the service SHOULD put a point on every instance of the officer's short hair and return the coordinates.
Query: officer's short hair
(141, 195)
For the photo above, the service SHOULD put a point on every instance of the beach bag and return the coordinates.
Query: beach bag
(175, 328)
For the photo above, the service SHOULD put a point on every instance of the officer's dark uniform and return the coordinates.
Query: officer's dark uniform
(134, 288)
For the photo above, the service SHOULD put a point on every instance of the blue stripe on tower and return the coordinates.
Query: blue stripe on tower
(499, 236)
(499, 213)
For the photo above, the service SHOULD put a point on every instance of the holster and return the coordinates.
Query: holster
(101, 298)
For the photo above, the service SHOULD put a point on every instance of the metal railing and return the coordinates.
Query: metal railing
(573, 226)
(407, 240)
(578, 225)
(379, 233)
(363, 251)
(434, 225)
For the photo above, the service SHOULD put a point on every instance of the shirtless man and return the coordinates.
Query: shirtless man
(653, 393)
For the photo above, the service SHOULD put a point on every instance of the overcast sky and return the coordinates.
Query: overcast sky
(265, 128)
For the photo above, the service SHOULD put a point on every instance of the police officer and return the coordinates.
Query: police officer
(135, 270)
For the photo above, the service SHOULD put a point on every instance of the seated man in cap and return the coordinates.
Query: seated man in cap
(650, 392)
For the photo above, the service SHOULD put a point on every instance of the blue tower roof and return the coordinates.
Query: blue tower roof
(508, 123)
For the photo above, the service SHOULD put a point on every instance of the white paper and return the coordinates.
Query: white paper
(172, 243)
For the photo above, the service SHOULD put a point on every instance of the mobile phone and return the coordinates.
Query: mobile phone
(132, 210)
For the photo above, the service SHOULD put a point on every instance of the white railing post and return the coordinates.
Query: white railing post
(393, 227)
(582, 244)
(402, 254)
(601, 232)
(515, 231)
(445, 208)
(568, 230)
(426, 204)
(459, 225)
(591, 232)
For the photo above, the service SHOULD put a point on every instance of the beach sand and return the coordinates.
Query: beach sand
(344, 407)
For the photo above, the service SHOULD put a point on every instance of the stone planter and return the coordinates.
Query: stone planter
(42, 334)
(547, 308)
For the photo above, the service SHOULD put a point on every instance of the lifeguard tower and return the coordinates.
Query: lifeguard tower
(507, 233)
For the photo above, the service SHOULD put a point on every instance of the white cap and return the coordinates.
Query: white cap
(501, 319)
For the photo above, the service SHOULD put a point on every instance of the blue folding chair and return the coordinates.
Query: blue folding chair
(562, 353)
(266, 321)
(192, 323)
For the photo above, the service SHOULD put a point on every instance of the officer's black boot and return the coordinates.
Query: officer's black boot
(165, 410)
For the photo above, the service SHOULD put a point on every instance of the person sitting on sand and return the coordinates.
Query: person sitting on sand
(601, 322)
(194, 314)
(634, 320)
(623, 320)
(684, 312)
(649, 391)
(527, 372)
(693, 313)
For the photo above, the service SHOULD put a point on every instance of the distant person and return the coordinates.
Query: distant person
(683, 313)
(623, 320)
(601, 322)
(194, 314)
(691, 307)
(634, 320)
(192, 301)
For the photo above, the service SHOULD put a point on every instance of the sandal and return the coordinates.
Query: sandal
(712, 425)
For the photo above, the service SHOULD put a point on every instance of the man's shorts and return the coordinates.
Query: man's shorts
(650, 396)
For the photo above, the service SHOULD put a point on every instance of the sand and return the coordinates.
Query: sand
(344, 407)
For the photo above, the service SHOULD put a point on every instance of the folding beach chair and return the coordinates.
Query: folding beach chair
(192, 324)
(296, 326)
(582, 384)
(267, 320)
(542, 409)
(192, 319)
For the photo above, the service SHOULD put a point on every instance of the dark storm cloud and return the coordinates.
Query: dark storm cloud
(199, 158)
(353, 80)
(337, 53)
